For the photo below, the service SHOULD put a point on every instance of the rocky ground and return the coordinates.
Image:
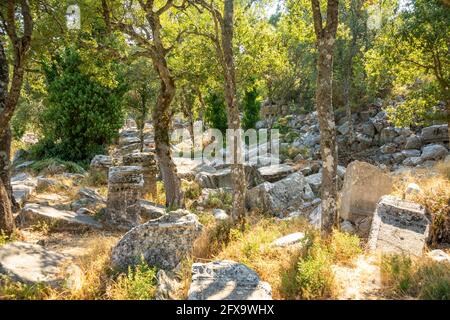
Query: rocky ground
(118, 202)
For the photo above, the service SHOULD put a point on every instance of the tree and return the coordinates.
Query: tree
(83, 115)
(326, 36)
(215, 113)
(143, 24)
(20, 45)
(222, 38)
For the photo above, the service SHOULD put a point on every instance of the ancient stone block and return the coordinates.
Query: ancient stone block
(227, 280)
(125, 186)
(146, 160)
(398, 227)
(364, 184)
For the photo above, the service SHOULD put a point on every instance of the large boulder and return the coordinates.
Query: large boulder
(23, 186)
(227, 280)
(399, 227)
(364, 184)
(162, 242)
(413, 142)
(33, 264)
(282, 197)
(436, 133)
(434, 152)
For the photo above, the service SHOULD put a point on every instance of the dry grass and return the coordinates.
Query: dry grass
(434, 195)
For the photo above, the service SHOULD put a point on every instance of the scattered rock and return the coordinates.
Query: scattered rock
(227, 280)
(399, 227)
(412, 161)
(222, 178)
(315, 181)
(32, 212)
(33, 264)
(288, 240)
(220, 215)
(275, 172)
(434, 152)
(167, 286)
(347, 226)
(162, 242)
(438, 256)
(281, 197)
(436, 133)
(412, 188)
(150, 210)
(413, 142)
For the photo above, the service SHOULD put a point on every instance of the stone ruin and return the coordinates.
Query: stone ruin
(147, 161)
(100, 165)
(125, 188)
(399, 227)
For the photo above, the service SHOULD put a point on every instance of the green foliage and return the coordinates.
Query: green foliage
(250, 107)
(55, 165)
(220, 199)
(216, 113)
(83, 116)
(138, 284)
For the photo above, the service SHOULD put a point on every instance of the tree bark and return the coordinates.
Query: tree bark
(6, 218)
(324, 104)
(234, 122)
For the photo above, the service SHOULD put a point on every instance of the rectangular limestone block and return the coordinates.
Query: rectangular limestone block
(399, 227)
(364, 185)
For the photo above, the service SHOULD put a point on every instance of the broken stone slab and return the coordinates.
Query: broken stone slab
(150, 210)
(162, 242)
(275, 172)
(220, 215)
(436, 133)
(222, 178)
(23, 185)
(281, 197)
(88, 198)
(364, 184)
(100, 165)
(125, 187)
(289, 240)
(32, 264)
(32, 212)
(434, 152)
(412, 161)
(227, 280)
(398, 227)
(413, 142)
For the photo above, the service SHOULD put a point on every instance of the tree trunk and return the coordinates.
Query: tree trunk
(347, 101)
(162, 123)
(234, 123)
(328, 146)
(324, 103)
(6, 217)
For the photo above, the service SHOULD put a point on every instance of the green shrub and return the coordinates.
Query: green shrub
(220, 199)
(55, 165)
(216, 112)
(138, 284)
(251, 107)
(345, 247)
(83, 115)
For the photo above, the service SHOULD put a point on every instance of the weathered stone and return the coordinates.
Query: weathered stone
(227, 280)
(411, 153)
(314, 181)
(434, 152)
(438, 256)
(388, 135)
(150, 210)
(281, 197)
(413, 142)
(412, 188)
(399, 227)
(412, 161)
(288, 240)
(45, 183)
(368, 129)
(220, 215)
(275, 172)
(388, 148)
(147, 161)
(222, 178)
(32, 212)
(364, 184)
(162, 242)
(167, 286)
(33, 264)
(344, 128)
(23, 185)
(125, 186)
(436, 133)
